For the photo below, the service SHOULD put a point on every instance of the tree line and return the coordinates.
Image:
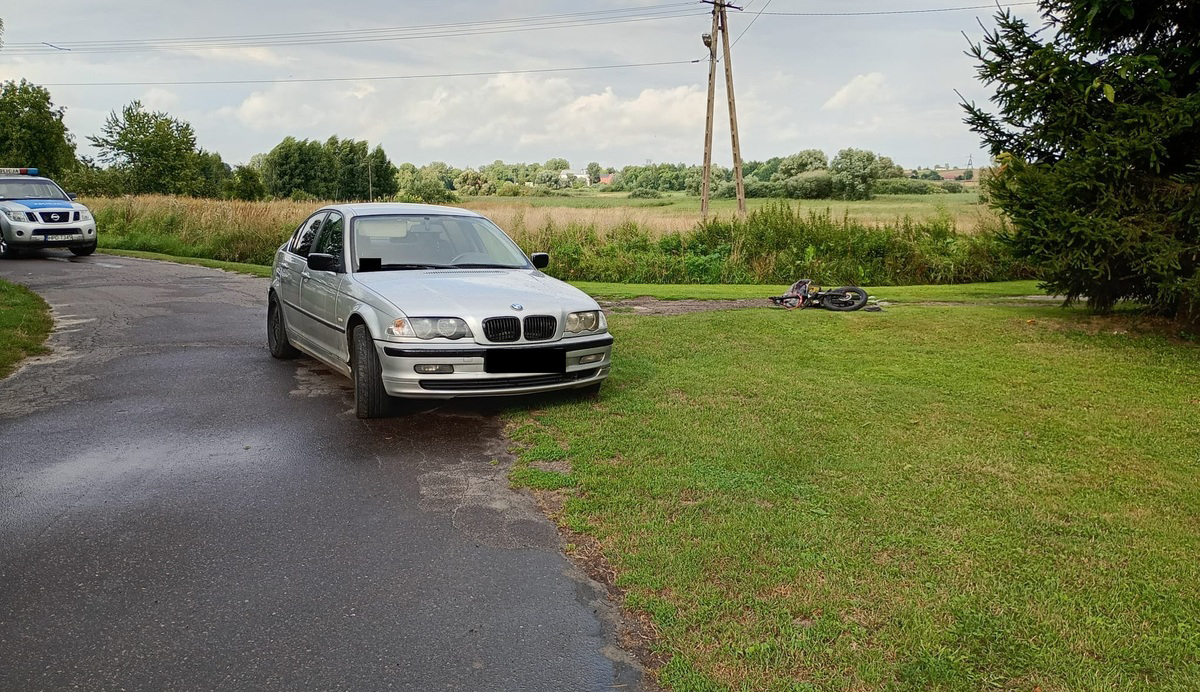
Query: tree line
(142, 151)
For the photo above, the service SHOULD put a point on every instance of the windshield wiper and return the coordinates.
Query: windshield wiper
(484, 265)
(385, 267)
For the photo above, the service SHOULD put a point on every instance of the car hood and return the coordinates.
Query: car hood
(37, 204)
(475, 293)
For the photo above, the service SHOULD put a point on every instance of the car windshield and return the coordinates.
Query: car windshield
(400, 242)
(30, 189)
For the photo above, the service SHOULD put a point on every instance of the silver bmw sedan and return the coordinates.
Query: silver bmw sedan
(419, 301)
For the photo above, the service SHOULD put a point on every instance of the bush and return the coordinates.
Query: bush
(427, 191)
(952, 187)
(645, 193)
(779, 244)
(763, 188)
(903, 186)
(809, 185)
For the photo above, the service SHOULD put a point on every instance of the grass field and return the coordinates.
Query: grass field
(779, 242)
(928, 498)
(24, 325)
(959, 293)
(678, 212)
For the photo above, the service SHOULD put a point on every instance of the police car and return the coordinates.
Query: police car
(36, 213)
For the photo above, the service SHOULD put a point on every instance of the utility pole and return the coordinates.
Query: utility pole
(733, 128)
(721, 24)
(710, 40)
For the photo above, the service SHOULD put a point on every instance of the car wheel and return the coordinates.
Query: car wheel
(6, 251)
(277, 338)
(83, 251)
(370, 398)
(589, 392)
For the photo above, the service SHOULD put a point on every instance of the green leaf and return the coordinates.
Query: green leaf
(1110, 93)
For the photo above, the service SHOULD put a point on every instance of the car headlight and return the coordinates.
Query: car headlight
(429, 328)
(85, 215)
(589, 321)
(15, 215)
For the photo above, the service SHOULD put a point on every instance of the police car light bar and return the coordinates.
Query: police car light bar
(19, 171)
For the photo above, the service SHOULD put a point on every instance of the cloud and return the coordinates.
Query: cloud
(538, 115)
(864, 89)
(604, 120)
(248, 54)
(157, 99)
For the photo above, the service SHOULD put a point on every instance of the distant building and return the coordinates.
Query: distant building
(607, 178)
(569, 177)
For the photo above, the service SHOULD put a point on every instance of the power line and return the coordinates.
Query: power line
(752, 21)
(376, 78)
(886, 12)
(541, 23)
(392, 28)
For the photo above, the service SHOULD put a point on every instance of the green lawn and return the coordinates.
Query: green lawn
(983, 292)
(928, 498)
(24, 325)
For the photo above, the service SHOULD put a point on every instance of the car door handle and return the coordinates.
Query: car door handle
(305, 275)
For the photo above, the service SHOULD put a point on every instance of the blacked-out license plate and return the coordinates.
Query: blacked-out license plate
(515, 360)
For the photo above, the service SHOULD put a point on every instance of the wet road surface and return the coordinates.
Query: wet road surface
(179, 511)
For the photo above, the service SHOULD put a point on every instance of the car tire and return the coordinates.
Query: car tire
(83, 251)
(6, 251)
(589, 392)
(371, 400)
(277, 338)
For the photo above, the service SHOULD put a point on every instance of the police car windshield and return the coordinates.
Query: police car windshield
(29, 189)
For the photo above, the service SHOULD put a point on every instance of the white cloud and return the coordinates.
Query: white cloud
(245, 54)
(157, 99)
(863, 90)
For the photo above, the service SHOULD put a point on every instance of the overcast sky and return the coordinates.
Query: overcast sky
(884, 82)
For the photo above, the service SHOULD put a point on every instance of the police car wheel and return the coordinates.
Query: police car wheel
(83, 251)
(6, 251)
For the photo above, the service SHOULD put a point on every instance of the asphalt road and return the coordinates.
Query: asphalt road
(179, 511)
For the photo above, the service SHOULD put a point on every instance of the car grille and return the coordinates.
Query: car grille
(506, 382)
(540, 327)
(500, 329)
(56, 216)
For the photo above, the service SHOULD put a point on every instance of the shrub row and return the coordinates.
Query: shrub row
(775, 244)
(779, 244)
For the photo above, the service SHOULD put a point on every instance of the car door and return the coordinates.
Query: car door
(319, 290)
(291, 270)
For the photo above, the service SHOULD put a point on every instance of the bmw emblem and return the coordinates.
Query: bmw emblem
(517, 306)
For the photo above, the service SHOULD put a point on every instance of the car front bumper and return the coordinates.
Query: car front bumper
(30, 236)
(587, 359)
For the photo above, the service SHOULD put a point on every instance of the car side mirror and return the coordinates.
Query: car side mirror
(321, 262)
(72, 196)
(541, 260)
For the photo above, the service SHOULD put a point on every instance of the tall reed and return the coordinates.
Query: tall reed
(777, 243)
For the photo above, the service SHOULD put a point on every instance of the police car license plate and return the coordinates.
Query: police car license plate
(52, 238)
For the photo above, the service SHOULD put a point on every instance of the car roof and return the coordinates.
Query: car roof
(14, 178)
(384, 208)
